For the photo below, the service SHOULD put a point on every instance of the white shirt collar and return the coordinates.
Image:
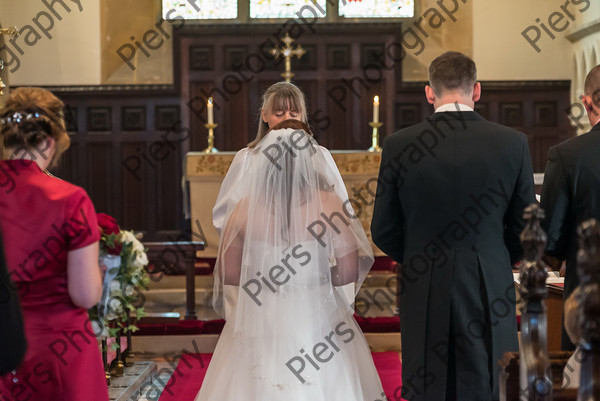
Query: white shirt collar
(453, 107)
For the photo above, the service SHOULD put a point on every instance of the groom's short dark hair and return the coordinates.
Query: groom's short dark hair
(451, 71)
(592, 85)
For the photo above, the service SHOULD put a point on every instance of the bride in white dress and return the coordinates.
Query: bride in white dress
(291, 255)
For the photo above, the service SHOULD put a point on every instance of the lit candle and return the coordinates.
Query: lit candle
(376, 109)
(209, 107)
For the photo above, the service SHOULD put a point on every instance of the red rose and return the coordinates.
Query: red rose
(108, 225)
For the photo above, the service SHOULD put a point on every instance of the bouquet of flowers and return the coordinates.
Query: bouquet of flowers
(125, 260)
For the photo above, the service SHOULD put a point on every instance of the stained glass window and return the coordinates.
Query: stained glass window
(287, 8)
(377, 8)
(200, 9)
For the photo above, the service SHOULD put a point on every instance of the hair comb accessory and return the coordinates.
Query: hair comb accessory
(18, 117)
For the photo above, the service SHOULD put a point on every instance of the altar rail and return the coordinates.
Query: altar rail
(176, 258)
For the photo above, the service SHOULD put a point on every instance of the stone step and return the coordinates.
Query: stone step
(133, 383)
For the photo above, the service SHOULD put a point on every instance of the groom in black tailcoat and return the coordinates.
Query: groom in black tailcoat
(449, 206)
(571, 191)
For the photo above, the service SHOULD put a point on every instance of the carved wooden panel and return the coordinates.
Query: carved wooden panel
(371, 54)
(233, 133)
(544, 114)
(71, 119)
(135, 187)
(202, 58)
(100, 179)
(339, 109)
(165, 117)
(99, 119)
(511, 114)
(338, 57)
(119, 169)
(169, 202)
(308, 61)
(133, 118)
(234, 56)
(407, 114)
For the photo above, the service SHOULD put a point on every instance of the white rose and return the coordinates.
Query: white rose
(114, 286)
(141, 258)
(109, 314)
(100, 331)
(115, 293)
(137, 245)
(97, 327)
(127, 237)
(129, 291)
(115, 306)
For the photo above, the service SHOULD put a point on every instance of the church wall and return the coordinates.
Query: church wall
(435, 34)
(585, 38)
(491, 32)
(123, 61)
(503, 53)
(58, 46)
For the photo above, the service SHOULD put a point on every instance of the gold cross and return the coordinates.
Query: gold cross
(11, 31)
(288, 52)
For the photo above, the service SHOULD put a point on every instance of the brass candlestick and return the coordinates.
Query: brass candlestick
(375, 137)
(11, 31)
(211, 138)
(119, 369)
(129, 355)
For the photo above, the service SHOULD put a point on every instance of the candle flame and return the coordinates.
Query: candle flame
(376, 99)
(210, 100)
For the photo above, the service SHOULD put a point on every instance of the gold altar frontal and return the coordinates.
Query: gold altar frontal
(205, 173)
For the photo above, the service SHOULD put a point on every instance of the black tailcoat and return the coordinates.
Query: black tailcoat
(449, 205)
(571, 195)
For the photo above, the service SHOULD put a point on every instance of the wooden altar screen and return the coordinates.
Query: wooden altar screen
(205, 172)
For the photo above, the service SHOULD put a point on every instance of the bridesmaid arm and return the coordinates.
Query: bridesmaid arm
(84, 277)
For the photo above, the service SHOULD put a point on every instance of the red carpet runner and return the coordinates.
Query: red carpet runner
(187, 378)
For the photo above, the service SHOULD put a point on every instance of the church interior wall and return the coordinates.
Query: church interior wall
(500, 46)
(124, 25)
(491, 32)
(58, 45)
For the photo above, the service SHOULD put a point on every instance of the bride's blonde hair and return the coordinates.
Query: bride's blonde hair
(280, 96)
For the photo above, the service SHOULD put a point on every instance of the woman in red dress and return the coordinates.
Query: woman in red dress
(51, 243)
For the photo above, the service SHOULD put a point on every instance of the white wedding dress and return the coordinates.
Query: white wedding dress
(285, 258)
